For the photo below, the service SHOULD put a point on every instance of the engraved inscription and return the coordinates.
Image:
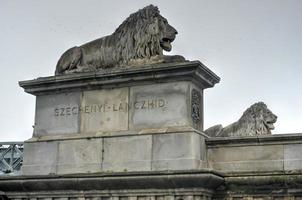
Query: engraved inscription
(195, 105)
(149, 104)
(113, 107)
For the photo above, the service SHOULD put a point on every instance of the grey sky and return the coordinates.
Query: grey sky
(254, 46)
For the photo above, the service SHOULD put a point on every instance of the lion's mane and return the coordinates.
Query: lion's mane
(256, 120)
(137, 38)
(139, 35)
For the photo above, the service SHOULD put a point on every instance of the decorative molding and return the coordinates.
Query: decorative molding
(196, 106)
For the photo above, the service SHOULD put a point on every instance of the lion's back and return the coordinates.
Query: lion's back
(100, 53)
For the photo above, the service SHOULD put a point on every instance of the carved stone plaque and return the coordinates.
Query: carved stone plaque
(195, 106)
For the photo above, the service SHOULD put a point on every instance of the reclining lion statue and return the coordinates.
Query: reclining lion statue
(140, 39)
(256, 120)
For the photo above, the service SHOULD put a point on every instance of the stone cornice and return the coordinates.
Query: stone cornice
(208, 179)
(252, 140)
(193, 71)
(106, 134)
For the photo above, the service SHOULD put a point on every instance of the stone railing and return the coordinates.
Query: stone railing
(11, 157)
(262, 154)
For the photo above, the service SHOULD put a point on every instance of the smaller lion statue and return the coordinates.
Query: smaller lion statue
(139, 40)
(256, 120)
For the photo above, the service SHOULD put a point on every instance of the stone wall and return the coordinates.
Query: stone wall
(256, 168)
(260, 179)
(271, 153)
(166, 149)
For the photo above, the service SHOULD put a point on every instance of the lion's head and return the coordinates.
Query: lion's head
(144, 34)
(258, 119)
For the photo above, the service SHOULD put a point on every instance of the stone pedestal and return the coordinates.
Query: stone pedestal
(128, 119)
(136, 134)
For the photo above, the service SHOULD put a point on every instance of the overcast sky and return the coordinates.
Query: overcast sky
(254, 46)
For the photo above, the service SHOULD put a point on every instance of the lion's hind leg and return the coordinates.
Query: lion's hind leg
(69, 61)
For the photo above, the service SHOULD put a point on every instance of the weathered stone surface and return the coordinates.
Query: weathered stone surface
(80, 156)
(246, 158)
(177, 151)
(256, 120)
(140, 39)
(104, 110)
(41, 158)
(159, 105)
(293, 157)
(57, 114)
(128, 153)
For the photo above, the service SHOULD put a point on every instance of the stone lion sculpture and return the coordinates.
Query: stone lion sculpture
(256, 120)
(140, 39)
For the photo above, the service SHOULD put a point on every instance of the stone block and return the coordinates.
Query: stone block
(80, 156)
(159, 105)
(203, 151)
(246, 158)
(40, 158)
(293, 157)
(104, 110)
(57, 114)
(177, 151)
(131, 153)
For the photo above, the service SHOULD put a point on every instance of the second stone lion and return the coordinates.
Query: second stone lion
(256, 120)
